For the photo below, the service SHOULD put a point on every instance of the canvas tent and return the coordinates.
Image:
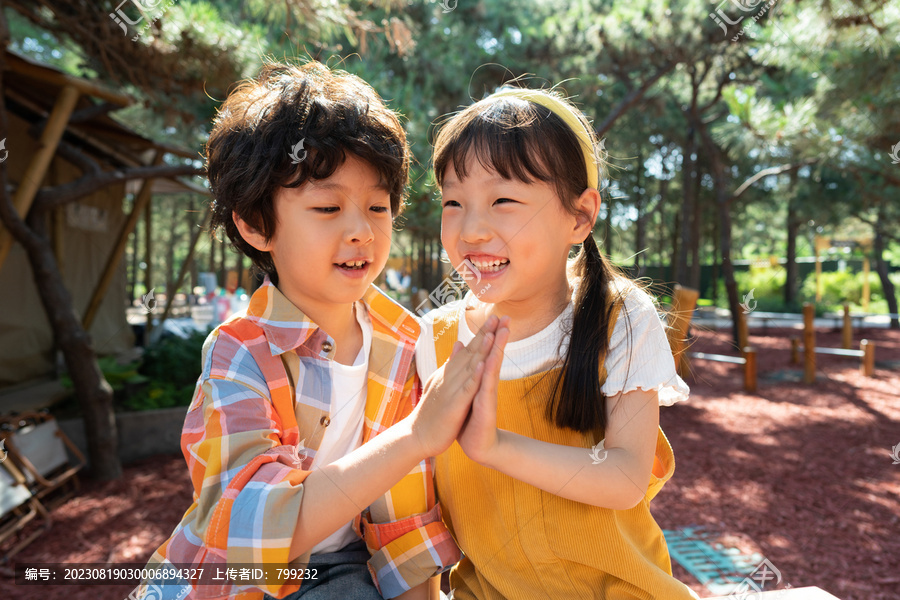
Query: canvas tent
(84, 232)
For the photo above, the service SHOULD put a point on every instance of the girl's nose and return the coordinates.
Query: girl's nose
(475, 228)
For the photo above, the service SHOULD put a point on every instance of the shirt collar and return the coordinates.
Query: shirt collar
(286, 327)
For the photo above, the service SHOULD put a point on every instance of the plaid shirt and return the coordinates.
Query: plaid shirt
(257, 418)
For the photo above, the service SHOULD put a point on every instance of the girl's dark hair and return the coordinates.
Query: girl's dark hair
(520, 139)
(255, 144)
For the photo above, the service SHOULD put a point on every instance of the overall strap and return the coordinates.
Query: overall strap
(445, 332)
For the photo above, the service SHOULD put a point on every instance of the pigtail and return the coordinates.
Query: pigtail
(579, 376)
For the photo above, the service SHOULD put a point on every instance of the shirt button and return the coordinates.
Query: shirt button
(327, 346)
(325, 421)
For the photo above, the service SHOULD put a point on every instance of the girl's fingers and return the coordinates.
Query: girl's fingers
(495, 358)
(477, 345)
(473, 383)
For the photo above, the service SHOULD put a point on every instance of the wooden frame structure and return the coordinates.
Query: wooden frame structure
(684, 301)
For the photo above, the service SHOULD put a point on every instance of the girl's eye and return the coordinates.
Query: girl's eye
(450, 203)
(326, 209)
(505, 200)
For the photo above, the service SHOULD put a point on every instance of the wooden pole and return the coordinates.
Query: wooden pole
(847, 332)
(867, 365)
(809, 343)
(115, 254)
(743, 334)
(31, 179)
(795, 351)
(148, 260)
(684, 300)
(750, 369)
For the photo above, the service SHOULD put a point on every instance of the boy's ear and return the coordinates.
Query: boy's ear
(250, 234)
(587, 207)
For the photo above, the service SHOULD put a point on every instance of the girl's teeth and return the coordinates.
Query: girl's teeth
(491, 266)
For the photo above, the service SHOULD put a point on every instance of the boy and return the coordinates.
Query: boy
(306, 434)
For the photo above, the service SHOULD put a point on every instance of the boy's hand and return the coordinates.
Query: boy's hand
(478, 437)
(448, 394)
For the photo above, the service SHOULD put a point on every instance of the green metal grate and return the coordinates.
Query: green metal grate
(718, 568)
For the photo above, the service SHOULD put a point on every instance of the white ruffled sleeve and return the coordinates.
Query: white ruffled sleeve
(651, 364)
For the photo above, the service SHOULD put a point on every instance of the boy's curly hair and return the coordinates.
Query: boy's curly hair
(256, 138)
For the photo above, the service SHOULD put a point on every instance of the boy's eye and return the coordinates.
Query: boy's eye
(326, 209)
(450, 203)
(380, 209)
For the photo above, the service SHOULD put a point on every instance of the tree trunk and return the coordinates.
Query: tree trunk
(887, 286)
(420, 248)
(696, 222)
(93, 392)
(607, 226)
(714, 278)
(135, 253)
(661, 235)
(192, 223)
(723, 204)
(223, 265)
(640, 234)
(791, 283)
(676, 233)
(688, 166)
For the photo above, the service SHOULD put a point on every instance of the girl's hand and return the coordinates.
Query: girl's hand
(439, 415)
(479, 437)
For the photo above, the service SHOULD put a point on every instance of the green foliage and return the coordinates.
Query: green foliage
(116, 374)
(171, 367)
(842, 286)
(767, 286)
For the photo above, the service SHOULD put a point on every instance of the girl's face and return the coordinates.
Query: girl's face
(516, 234)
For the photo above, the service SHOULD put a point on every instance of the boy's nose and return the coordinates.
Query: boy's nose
(360, 230)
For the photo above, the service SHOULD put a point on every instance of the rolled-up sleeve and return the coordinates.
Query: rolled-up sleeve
(403, 530)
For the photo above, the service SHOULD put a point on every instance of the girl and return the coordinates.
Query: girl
(547, 488)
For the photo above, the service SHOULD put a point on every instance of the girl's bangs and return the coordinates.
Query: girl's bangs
(503, 137)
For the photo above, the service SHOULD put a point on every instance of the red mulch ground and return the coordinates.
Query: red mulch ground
(801, 474)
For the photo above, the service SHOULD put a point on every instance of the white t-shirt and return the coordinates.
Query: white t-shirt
(652, 366)
(344, 434)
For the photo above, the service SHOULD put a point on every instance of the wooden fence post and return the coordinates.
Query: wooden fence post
(795, 351)
(743, 334)
(809, 343)
(867, 364)
(684, 300)
(750, 369)
(847, 331)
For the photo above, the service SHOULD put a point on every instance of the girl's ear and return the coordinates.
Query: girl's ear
(250, 234)
(587, 207)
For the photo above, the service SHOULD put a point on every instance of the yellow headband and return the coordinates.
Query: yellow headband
(575, 122)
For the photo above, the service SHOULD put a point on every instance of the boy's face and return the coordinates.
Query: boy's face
(321, 227)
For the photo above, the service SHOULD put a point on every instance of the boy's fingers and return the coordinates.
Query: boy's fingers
(457, 346)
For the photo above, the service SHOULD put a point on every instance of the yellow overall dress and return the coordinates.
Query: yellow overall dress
(521, 542)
